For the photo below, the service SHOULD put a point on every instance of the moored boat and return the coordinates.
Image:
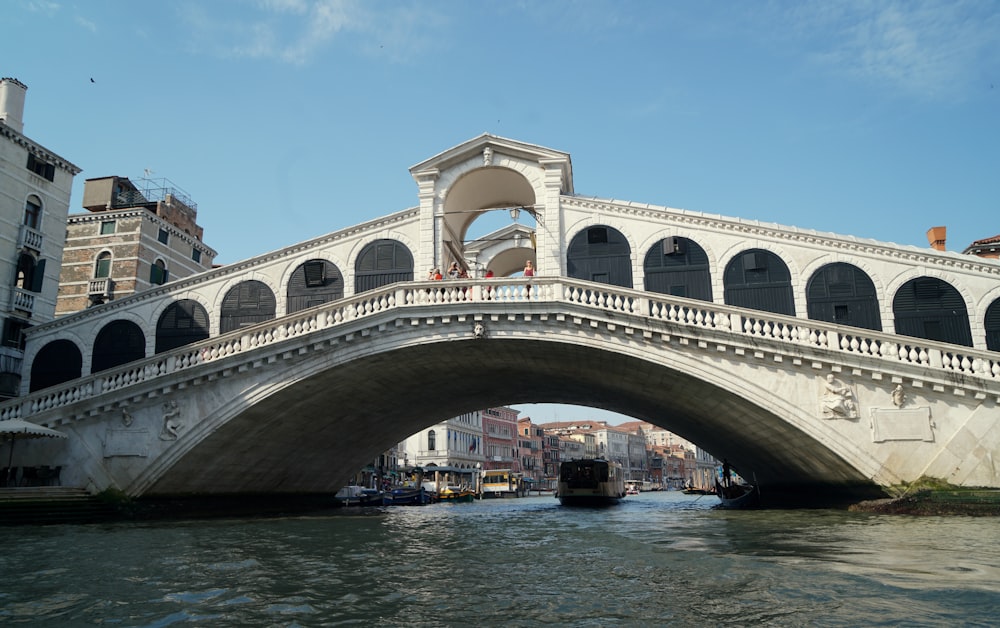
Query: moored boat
(407, 496)
(456, 494)
(590, 482)
(358, 496)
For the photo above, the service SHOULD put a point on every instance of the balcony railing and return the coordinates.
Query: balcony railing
(22, 301)
(28, 238)
(100, 288)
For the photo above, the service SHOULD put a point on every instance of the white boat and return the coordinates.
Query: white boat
(590, 482)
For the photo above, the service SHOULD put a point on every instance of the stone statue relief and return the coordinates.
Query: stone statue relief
(171, 421)
(898, 396)
(487, 156)
(837, 400)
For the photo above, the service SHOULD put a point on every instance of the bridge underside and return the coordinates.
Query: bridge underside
(315, 432)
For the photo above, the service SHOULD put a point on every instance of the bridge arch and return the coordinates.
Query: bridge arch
(840, 292)
(991, 325)
(182, 322)
(759, 279)
(312, 282)
(118, 342)
(601, 253)
(294, 407)
(57, 362)
(678, 266)
(475, 191)
(382, 262)
(247, 303)
(933, 309)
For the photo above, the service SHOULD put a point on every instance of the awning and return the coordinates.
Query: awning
(19, 428)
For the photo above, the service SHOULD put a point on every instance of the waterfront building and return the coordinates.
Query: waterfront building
(456, 443)
(551, 459)
(530, 438)
(133, 236)
(35, 188)
(500, 439)
(573, 446)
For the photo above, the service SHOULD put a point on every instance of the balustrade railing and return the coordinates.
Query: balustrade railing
(598, 297)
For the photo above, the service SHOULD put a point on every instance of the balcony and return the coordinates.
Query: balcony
(22, 301)
(31, 239)
(100, 290)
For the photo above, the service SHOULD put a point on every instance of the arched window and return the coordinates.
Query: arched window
(992, 324)
(33, 212)
(927, 307)
(118, 342)
(431, 440)
(182, 323)
(57, 362)
(102, 265)
(679, 267)
(248, 303)
(313, 283)
(158, 273)
(844, 294)
(381, 263)
(600, 254)
(26, 272)
(759, 280)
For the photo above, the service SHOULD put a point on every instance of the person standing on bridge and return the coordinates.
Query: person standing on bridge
(529, 271)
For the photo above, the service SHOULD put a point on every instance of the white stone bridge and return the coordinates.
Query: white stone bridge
(809, 360)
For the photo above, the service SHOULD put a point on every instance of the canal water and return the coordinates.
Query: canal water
(658, 559)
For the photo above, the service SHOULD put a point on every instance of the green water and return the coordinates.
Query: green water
(659, 559)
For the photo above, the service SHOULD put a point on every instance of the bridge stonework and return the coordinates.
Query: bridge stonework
(300, 402)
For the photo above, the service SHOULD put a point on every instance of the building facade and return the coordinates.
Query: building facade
(131, 238)
(35, 187)
(500, 439)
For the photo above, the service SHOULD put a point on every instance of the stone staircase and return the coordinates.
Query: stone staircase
(37, 505)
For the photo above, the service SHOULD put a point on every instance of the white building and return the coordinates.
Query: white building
(35, 187)
(454, 443)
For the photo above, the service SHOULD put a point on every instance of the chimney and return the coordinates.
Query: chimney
(936, 236)
(12, 103)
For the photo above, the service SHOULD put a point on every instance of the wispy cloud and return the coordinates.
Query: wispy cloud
(85, 23)
(926, 49)
(297, 31)
(47, 7)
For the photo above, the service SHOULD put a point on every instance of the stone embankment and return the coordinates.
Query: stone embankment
(937, 501)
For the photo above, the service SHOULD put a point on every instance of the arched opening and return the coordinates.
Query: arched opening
(679, 267)
(381, 263)
(182, 323)
(57, 362)
(929, 308)
(33, 212)
(602, 254)
(759, 280)
(314, 282)
(482, 205)
(29, 272)
(992, 324)
(118, 342)
(246, 304)
(844, 294)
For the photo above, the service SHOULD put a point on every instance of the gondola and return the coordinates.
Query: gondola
(737, 496)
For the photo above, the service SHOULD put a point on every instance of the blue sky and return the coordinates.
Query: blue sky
(287, 119)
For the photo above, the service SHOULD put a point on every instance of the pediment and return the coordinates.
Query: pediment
(476, 148)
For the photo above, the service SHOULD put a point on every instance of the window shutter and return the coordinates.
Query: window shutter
(38, 276)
